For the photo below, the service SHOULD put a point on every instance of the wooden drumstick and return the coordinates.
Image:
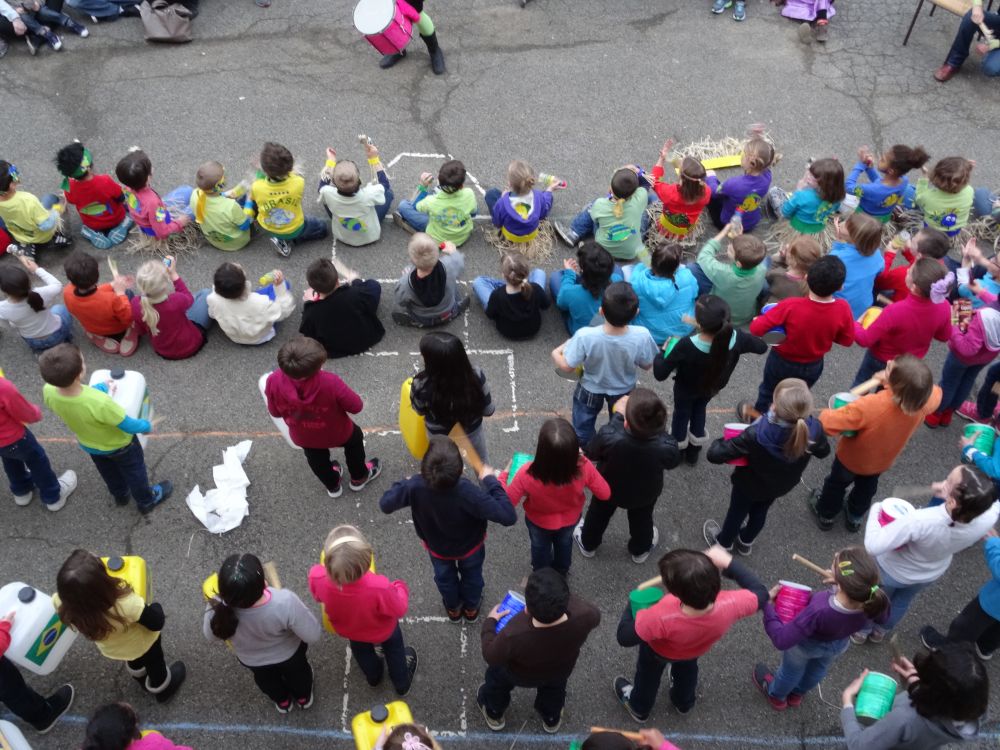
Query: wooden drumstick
(634, 736)
(811, 565)
(466, 448)
(658, 581)
(271, 575)
(868, 385)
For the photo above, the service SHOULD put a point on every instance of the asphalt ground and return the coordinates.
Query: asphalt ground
(577, 89)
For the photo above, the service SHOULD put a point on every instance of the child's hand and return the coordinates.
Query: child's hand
(991, 534)
(28, 263)
(9, 617)
(620, 405)
(972, 251)
(882, 376)
(965, 442)
(279, 277)
(448, 248)
(308, 295)
(370, 151)
(665, 151)
(183, 219)
(570, 264)
(851, 691)
(496, 613)
(903, 667)
(974, 286)
(487, 471)
(687, 320)
(426, 179)
(977, 14)
(120, 283)
(865, 155)
(19, 28)
(719, 557)
(652, 738)
(331, 154)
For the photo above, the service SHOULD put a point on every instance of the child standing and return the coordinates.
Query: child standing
(427, 294)
(341, 314)
(176, 321)
(683, 201)
(738, 278)
(906, 327)
(151, 213)
(518, 211)
(315, 405)
(99, 200)
(886, 185)
(577, 289)
(813, 640)
(881, 425)
(450, 515)
(946, 197)
(816, 198)
(449, 391)
(777, 448)
(104, 312)
(245, 316)
(276, 196)
(683, 626)
(31, 222)
(24, 460)
(786, 274)
(743, 194)
(221, 218)
(666, 292)
(702, 365)
(357, 210)
(631, 452)
(365, 608)
(858, 241)
(28, 310)
(552, 486)
(515, 302)
(812, 325)
(101, 427)
(106, 610)
(268, 628)
(445, 215)
(610, 354)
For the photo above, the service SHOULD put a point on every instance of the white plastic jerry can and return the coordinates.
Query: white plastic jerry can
(278, 421)
(38, 638)
(11, 737)
(128, 389)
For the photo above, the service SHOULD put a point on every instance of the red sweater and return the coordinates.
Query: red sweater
(4, 637)
(99, 201)
(15, 411)
(679, 216)
(555, 506)
(811, 327)
(315, 409)
(367, 610)
(101, 312)
(906, 327)
(177, 337)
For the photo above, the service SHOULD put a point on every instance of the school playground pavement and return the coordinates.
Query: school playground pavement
(577, 88)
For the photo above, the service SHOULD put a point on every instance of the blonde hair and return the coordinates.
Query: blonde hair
(758, 155)
(346, 177)
(424, 251)
(792, 403)
(520, 177)
(153, 282)
(802, 252)
(210, 176)
(347, 555)
(515, 269)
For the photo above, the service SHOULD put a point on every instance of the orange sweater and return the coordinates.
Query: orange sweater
(102, 312)
(883, 430)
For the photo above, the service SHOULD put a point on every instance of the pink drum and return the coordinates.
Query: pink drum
(792, 598)
(731, 430)
(386, 24)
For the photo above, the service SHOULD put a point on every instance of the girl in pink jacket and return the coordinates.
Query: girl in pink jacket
(116, 727)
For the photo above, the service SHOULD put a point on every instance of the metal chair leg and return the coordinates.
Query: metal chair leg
(913, 22)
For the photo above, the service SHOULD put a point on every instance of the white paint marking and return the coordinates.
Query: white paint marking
(395, 160)
(347, 673)
(513, 394)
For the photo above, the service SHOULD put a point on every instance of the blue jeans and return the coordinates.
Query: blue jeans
(586, 407)
(982, 202)
(65, 332)
(704, 283)
(198, 312)
(408, 210)
(483, 286)
(967, 31)
(804, 666)
(382, 210)
(986, 401)
(460, 581)
(395, 660)
(870, 364)
(124, 472)
(648, 673)
(901, 596)
(106, 10)
(956, 383)
(689, 415)
(776, 369)
(491, 198)
(178, 200)
(27, 466)
(551, 548)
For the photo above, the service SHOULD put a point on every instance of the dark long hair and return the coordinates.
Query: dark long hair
(453, 389)
(89, 595)
(712, 314)
(15, 282)
(596, 267)
(112, 727)
(241, 584)
(557, 455)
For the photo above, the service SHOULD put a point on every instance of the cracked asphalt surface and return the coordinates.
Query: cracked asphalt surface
(577, 88)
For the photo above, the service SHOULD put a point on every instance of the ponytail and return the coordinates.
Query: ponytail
(153, 282)
(792, 404)
(876, 603)
(515, 270)
(798, 440)
(224, 620)
(15, 283)
(718, 358)
(241, 584)
(149, 315)
(35, 301)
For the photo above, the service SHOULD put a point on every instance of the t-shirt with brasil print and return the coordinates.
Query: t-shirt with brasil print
(620, 235)
(279, 205)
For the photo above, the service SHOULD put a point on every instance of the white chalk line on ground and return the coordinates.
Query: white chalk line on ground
(415, 155)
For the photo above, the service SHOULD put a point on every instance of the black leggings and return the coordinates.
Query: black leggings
(354, 453)
(154, 664)
(288, 680)
(22, 701)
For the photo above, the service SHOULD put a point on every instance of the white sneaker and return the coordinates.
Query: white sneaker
(578, 538)
(67, 483)
(640, 559)
(23, 500)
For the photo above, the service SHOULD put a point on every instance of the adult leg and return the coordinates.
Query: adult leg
(427, 32)
(789, 674)
(550, 699)
(831, 498)
(740, 503)
(959, 51)
(860, 498)
(446, 578)
(198, 312)
(497, 687)
(482, 288)
(986, 400)
(354, 455)
(470, 579)
(640, 529)
(646, 684)
(270, 680)
(369, 661)
(595, 522)
(394, 650)
(319, 461)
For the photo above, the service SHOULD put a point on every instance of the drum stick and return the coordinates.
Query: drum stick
(113, 265)
(271, 575)
(658, 581)
(634, 736)
(868, 385)
(466, 448)
(811, 565)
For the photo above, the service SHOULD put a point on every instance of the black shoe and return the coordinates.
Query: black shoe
(175, 678)
(131, 11)
(59, 703)
(121, 502)
(411, 669)
(551, 726)
(388, 61)
(742, 547)
(437, 62)
(495, 723)
(691, 454)
(824, 524)
(623, 691)
(161, 491)
(932, 639)
(851, 524)
(61, 240)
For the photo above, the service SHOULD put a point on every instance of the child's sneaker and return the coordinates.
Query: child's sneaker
(859, 638)
(719, 6)
(25, 499)
(623, 692)
(403, 223)
(710, 530)
(822, 30)
(877, 635)
(454, 615)
(161, 492)
(794, 700)
(58, 704)
(282, 247)
(495, 723)
(130, 342)
(374, 469)
(740, 11)
(411, 669)
(285, 707)
(824, 524)
(851, 523)
(67, 483)
(59, 239)
(763, 678)
(578, 538)
(471, 615)
(984, 655)
(339, 489)
(567, 235)
(969, 411)
(551, 727)
(53, 40)
(77, 28)
(932, 639)
(104, 343)
(640, 559)
(742, 548)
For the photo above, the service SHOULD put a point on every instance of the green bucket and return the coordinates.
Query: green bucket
(669, 344)
(516, 462)
(644, 598)
(875, 698)
(838, 400)
(983, 437)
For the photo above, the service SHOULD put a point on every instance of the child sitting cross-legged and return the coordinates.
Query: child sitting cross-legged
(341, 313)
(104, 311)
(427, 294)
(515, 302)
(219, 212)
(245, 316)
(357, 209)
(98, 198)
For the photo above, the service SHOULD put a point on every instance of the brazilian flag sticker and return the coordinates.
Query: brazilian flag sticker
(45, 641)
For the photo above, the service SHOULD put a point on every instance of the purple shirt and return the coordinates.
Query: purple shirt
(745, 191)
(819, 621)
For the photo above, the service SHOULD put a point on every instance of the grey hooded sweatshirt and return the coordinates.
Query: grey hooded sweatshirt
(905, 729)
(408, 304)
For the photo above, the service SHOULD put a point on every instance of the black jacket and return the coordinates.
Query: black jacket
(632, 467)
(689, 363)
(346, 322)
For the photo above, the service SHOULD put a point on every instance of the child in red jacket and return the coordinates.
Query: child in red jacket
(315, 405)
(364, 607)
(99, 200)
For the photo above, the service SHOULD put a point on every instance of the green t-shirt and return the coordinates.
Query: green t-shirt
(92, 416)
(450, 215)
(620, 236)
(223, 217)
(948, 212)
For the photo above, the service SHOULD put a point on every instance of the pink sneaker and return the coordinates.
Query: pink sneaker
(968, 411)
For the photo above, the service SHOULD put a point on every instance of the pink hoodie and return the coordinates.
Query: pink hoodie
(315, 409)
(980, 344)
(155, 741)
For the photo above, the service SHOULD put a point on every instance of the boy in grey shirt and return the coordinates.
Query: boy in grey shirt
(426, 295)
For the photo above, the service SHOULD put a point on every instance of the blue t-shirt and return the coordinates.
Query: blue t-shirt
(577, 302)
(663, 303)
(876, 198)
(807, 212)
(610, 362)
(861, 273)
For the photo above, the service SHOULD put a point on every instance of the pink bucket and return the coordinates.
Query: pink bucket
(792, 598)
(731, 430)
(386, 24)
(891, 509)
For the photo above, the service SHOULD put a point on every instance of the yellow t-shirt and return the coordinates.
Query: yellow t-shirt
(126, 642)
(279, 205)
(22, 213)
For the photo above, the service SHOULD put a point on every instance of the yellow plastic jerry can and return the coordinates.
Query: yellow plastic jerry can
(132, 570)
(411, 424)
(366, 727)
